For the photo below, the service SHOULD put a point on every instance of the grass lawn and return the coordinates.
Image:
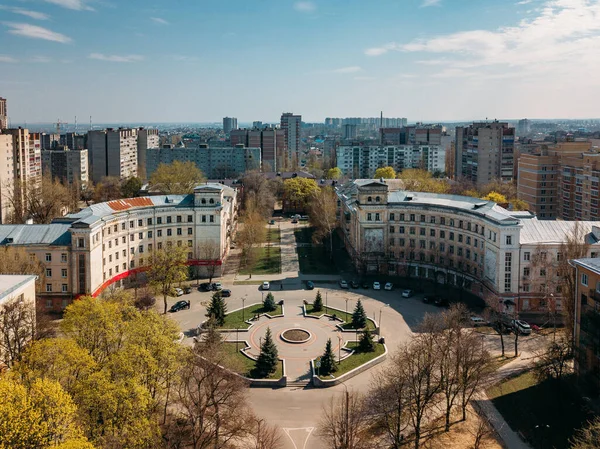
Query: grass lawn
(356, 359)
(556, 409)
(244, 365)
(268, 261)
(273, 234)
(315, 260)
(347, 317)
(234, 320)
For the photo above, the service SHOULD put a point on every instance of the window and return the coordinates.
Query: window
(509, 239)
(212, 218)
(422, 217)
(158, 220)
(159, 233)
(211, 201)
(392, 217)
(526, 271)
(140, 223)
(422, 244)
(558, 257)
(48, 257)
(432, 219)
(369, 199)
(377, 199)
(149, 234)
(460, 238)
(141, 249)
(169, 219)
(149, 221)
(401, 229)
(63, 272)
(442, 234)
(190, 218)
(369, 217)
(584, 279)
(131, 224)
(64, 289)
(442, 247)
(132, 237)
(124, 239)
(203, 201)
(178, 242)
(49, 288)
(48, 272)
(80, 243)
(123, 226)
(179, 219)
(432, 233)
(141, 235)
(451, 236)
(169, 232)
(159, 245)
(413, 230)
(179, 231)
(190, 231)
(442, 221)
(392, 229)
(110, 244)
(150, 247)
(527, 256)
(412, 217)
(203, 218)
(63, 258)
(124, 253)
(542, 272)
(422, 231)
(401, 217)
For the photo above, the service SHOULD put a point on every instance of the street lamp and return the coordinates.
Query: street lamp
(383, 307)
(339, 349)
(244, 307)
(347, 299)
(326, 302)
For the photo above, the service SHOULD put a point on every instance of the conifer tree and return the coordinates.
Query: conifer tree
(318, 304)
(269, 302)
(366, 343)
(359, 317)
(217, 309)
(328, 364)
(268, 359)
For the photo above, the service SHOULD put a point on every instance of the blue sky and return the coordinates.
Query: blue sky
(199, 60)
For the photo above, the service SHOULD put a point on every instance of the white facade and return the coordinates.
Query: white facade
(362, 161)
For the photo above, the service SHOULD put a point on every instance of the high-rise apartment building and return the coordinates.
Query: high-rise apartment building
(484, 151)
(73, 140)
(112, 153)
(7, 176)
(291, 124)
(66, 165)
(3, 114)
(146, 138)
(229, 123)
(257, 124)
(413, 135)
(271, 141)
(350, 132)
(523, 127)
(49, 141)
(561, 181)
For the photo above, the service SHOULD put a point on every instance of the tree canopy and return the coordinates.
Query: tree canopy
(419, 180)
(167, 267)
(299, 189)
(176, 178)
(385, 172)
(334, 173)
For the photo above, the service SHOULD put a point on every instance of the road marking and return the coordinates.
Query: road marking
(308, 430)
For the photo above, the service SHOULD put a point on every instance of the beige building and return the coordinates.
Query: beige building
(454, 240)
(7, 176)
(3, 114)
(113, 153)
(104, 244)
(561, 181)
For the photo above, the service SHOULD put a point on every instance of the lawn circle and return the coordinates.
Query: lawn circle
(295, 335)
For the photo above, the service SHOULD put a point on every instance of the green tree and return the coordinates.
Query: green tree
(496, 198)
(269, 303)
(318, 303)
(299, 190)
(366, 343)
(167, 267)
(217, 309)
(419, 180)
(131, 187)
(328, 364)
(359, 317)
(176, 178)
(385, 172)
(333, 173)
(268, 359)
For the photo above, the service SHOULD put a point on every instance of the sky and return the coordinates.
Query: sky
(200, 60)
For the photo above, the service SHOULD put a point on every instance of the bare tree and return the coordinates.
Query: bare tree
(322, 208)
(167, 267)
(251, 234)
(587, 437)
(17, 328)
(474, 369)
(482, 432)
(210, 250)
(15, 260)
(554, 361)
(494, 313)
(41, 201)
(345, 423)
(263, 435)
(259, 193)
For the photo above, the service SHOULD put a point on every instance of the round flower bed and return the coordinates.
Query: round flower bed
(295, 336)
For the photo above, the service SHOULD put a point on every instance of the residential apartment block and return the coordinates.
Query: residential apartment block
(215, 163)
(587, 319)
(101, 245)
(66, 165)
(468, 242)
(561, 181)
(484, 152)
(7, 176)
(291, 125)
(113, 152)
(3, 114)
(271, 141)
(361, 161)
(146, 138)
(229, 123)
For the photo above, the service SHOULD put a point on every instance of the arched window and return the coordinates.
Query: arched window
(370, 199)
(203, 200)
(378, 199)
(211, 201)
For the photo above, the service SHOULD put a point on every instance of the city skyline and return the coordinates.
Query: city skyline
(428, 60)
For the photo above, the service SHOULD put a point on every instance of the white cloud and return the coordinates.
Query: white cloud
(78, 5)
(351, 69)
(36, 32)
(524, 2)
(6, 58)
(185, 58)
(40, 59)
(159, 20)
(26, 12)
(427, 3)
(305, 6)
(378, 51)
(116, 58)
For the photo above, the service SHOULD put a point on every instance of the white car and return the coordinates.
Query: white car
(477, 321)
(389, 286)
(266, 285)
(376, 286)
(217, 286)
(407, 293)
(521, 327)
(178, 292)
(343, 284)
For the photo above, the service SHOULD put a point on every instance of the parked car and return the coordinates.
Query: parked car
(225, 293)
(376, 286)
(407, 293)
(187, 290)
(343, 284)
(310, 285)
(294, 221)
(354, 283)
(365, 285)
(521, 327)
(440, 301)
(477, 321)
(266, 285)
(501, 327)
(179, 305)
(205, 287)
(217, 286)
(388, 286)
(178, 292)
(272, 222)
(428, 299)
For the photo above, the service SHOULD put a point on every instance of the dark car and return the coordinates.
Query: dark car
(441, 301)
(310, 285)
(225, 293)
(187, 290)
(179, 305)
(428, 299)
(354, 283)
(205, 287)
(365, 285)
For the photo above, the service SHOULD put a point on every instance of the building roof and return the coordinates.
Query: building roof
(592, 264)
(12, 282)
(40, 234)
(289, 175)
(555, 232)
